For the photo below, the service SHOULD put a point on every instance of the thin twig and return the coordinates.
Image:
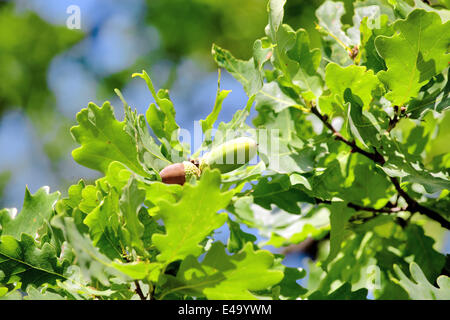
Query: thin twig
(375, 156)
(398, 114)
(413, 205)
(386, 209)
(139, 290)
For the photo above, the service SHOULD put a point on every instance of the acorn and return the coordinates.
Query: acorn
(179, 173)
(230, 155)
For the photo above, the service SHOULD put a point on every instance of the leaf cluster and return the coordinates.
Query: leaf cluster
(359, 167)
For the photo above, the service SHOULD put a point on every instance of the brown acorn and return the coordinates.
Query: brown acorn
(179, 173)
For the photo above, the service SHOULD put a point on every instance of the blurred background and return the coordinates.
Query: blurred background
(49, 72)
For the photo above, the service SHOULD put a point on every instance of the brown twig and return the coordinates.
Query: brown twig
(413, 205)
(139, 290)
(398, 114)
(375, 156)
(386, 209)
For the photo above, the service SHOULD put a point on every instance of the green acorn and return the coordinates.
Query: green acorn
(179, 173)
(230, 155)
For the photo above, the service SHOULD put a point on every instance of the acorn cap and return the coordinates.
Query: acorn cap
(190, 170)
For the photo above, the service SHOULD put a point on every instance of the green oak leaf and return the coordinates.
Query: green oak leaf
(344, 292)
(248, 72)
(77, 287)
(289, 288)
(306, 78)
(242, 209)
(400, 163)
(14, 294)
(151, 226)
(362, 82)
(130, 202)
(438, 146)
(371, 13)
(330, 176)
(190, 220)
(162, 119)
(420, 247)
(298, 64)
(157, 191)
(367, 186)
(3, 291)
(361, 124)
(117, 176)
(208, 123)
(22, 261)
(229, 130)
(419, 287)
(329, 15)
(41, 294)
(237, 123)
(104, 226)
(365, 260)
(403, 8)
(369, 55)
(262, 52)
(221, 276)
(139, 270)
(103, 140)
(339, 43)
(244, 174)
(340, 215)
(94, 265)
(434, 96)
(91, 196)
(245, 72)
(280, 227)
(74, 195)
(272, 96)
(416, 53)
(280, 148)
(237, 238)
(314, 224)
(37, 210)
(149, 153)
(278, 191)
(276, 13)
(70, 205)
